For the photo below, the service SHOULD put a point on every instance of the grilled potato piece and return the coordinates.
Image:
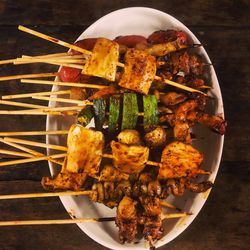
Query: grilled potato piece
(139, 71)
(180, 160)
(129, 159)
(104, 59)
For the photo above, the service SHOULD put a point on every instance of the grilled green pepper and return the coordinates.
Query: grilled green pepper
(99, 112)
(114, 112)
(85, 115)
(150, 107)
(130, 111)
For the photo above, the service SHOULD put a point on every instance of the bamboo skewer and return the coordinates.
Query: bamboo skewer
(27, 150)
(84, 102)
(54, 40)
(69, 84)
(62, 92)
(6, 78)
(54, 222)
(34, 159)
(16, 153)
(30, 151)
(41, 195)
(25, 133)
(174, 216)
(36, 144)
(21, 104)
(45, 111)
(81, 220)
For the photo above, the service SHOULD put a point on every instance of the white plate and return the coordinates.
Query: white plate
(142, 21)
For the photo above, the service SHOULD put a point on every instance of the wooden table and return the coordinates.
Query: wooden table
(223, 28)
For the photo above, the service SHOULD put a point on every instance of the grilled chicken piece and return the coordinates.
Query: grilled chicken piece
(129, 137)
(103, 60)
(129, 159)
(173, 98)
(109, 173)
(180, 160)
(163, 49)
(83, 158)
(65, 181)
(105, 93)
(139, 71)
(126, 219)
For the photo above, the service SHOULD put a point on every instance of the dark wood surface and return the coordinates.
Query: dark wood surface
(223, 27)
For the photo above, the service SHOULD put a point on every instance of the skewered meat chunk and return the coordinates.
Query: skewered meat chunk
(156, 138)
(214, 122)
(180, 160)
(139, 71)
(83, 158)
(126, 219)
(104, 59)
(198, 187)
(173, 98)
(129, 137)
(129, 159)
(163, 49)
(84, 150)
(64, 180)
(109, 173)
(163, 36)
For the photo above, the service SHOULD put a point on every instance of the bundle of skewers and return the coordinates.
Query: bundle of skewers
(144, 95)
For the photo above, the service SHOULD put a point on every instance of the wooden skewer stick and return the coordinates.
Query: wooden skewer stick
(30, 151)
(54, 40)
(34, 159)
(9, 152)
(62, 92)
(48, 60)
(63, 54)
(54, 222)
(74, 221)
(27, 150)
(168, 205)
(173, 216)
(69, 84)
(84, 102)
(72, 110)
(21, 104)
(36, 144)
(25, 133)
(41, 195)
(8, 61)
(6, 78)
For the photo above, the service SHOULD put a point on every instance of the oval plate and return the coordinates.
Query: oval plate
(142, 21)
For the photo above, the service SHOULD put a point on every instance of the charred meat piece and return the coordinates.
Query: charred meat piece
(186, 63)
(163, 36)
(180, 160)
(198, 187)
(64, 181)
(139, 71)
(105, 93)
(109, 173)
(126, 219)
(129, 159)
(83, 158)
(173, 98)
